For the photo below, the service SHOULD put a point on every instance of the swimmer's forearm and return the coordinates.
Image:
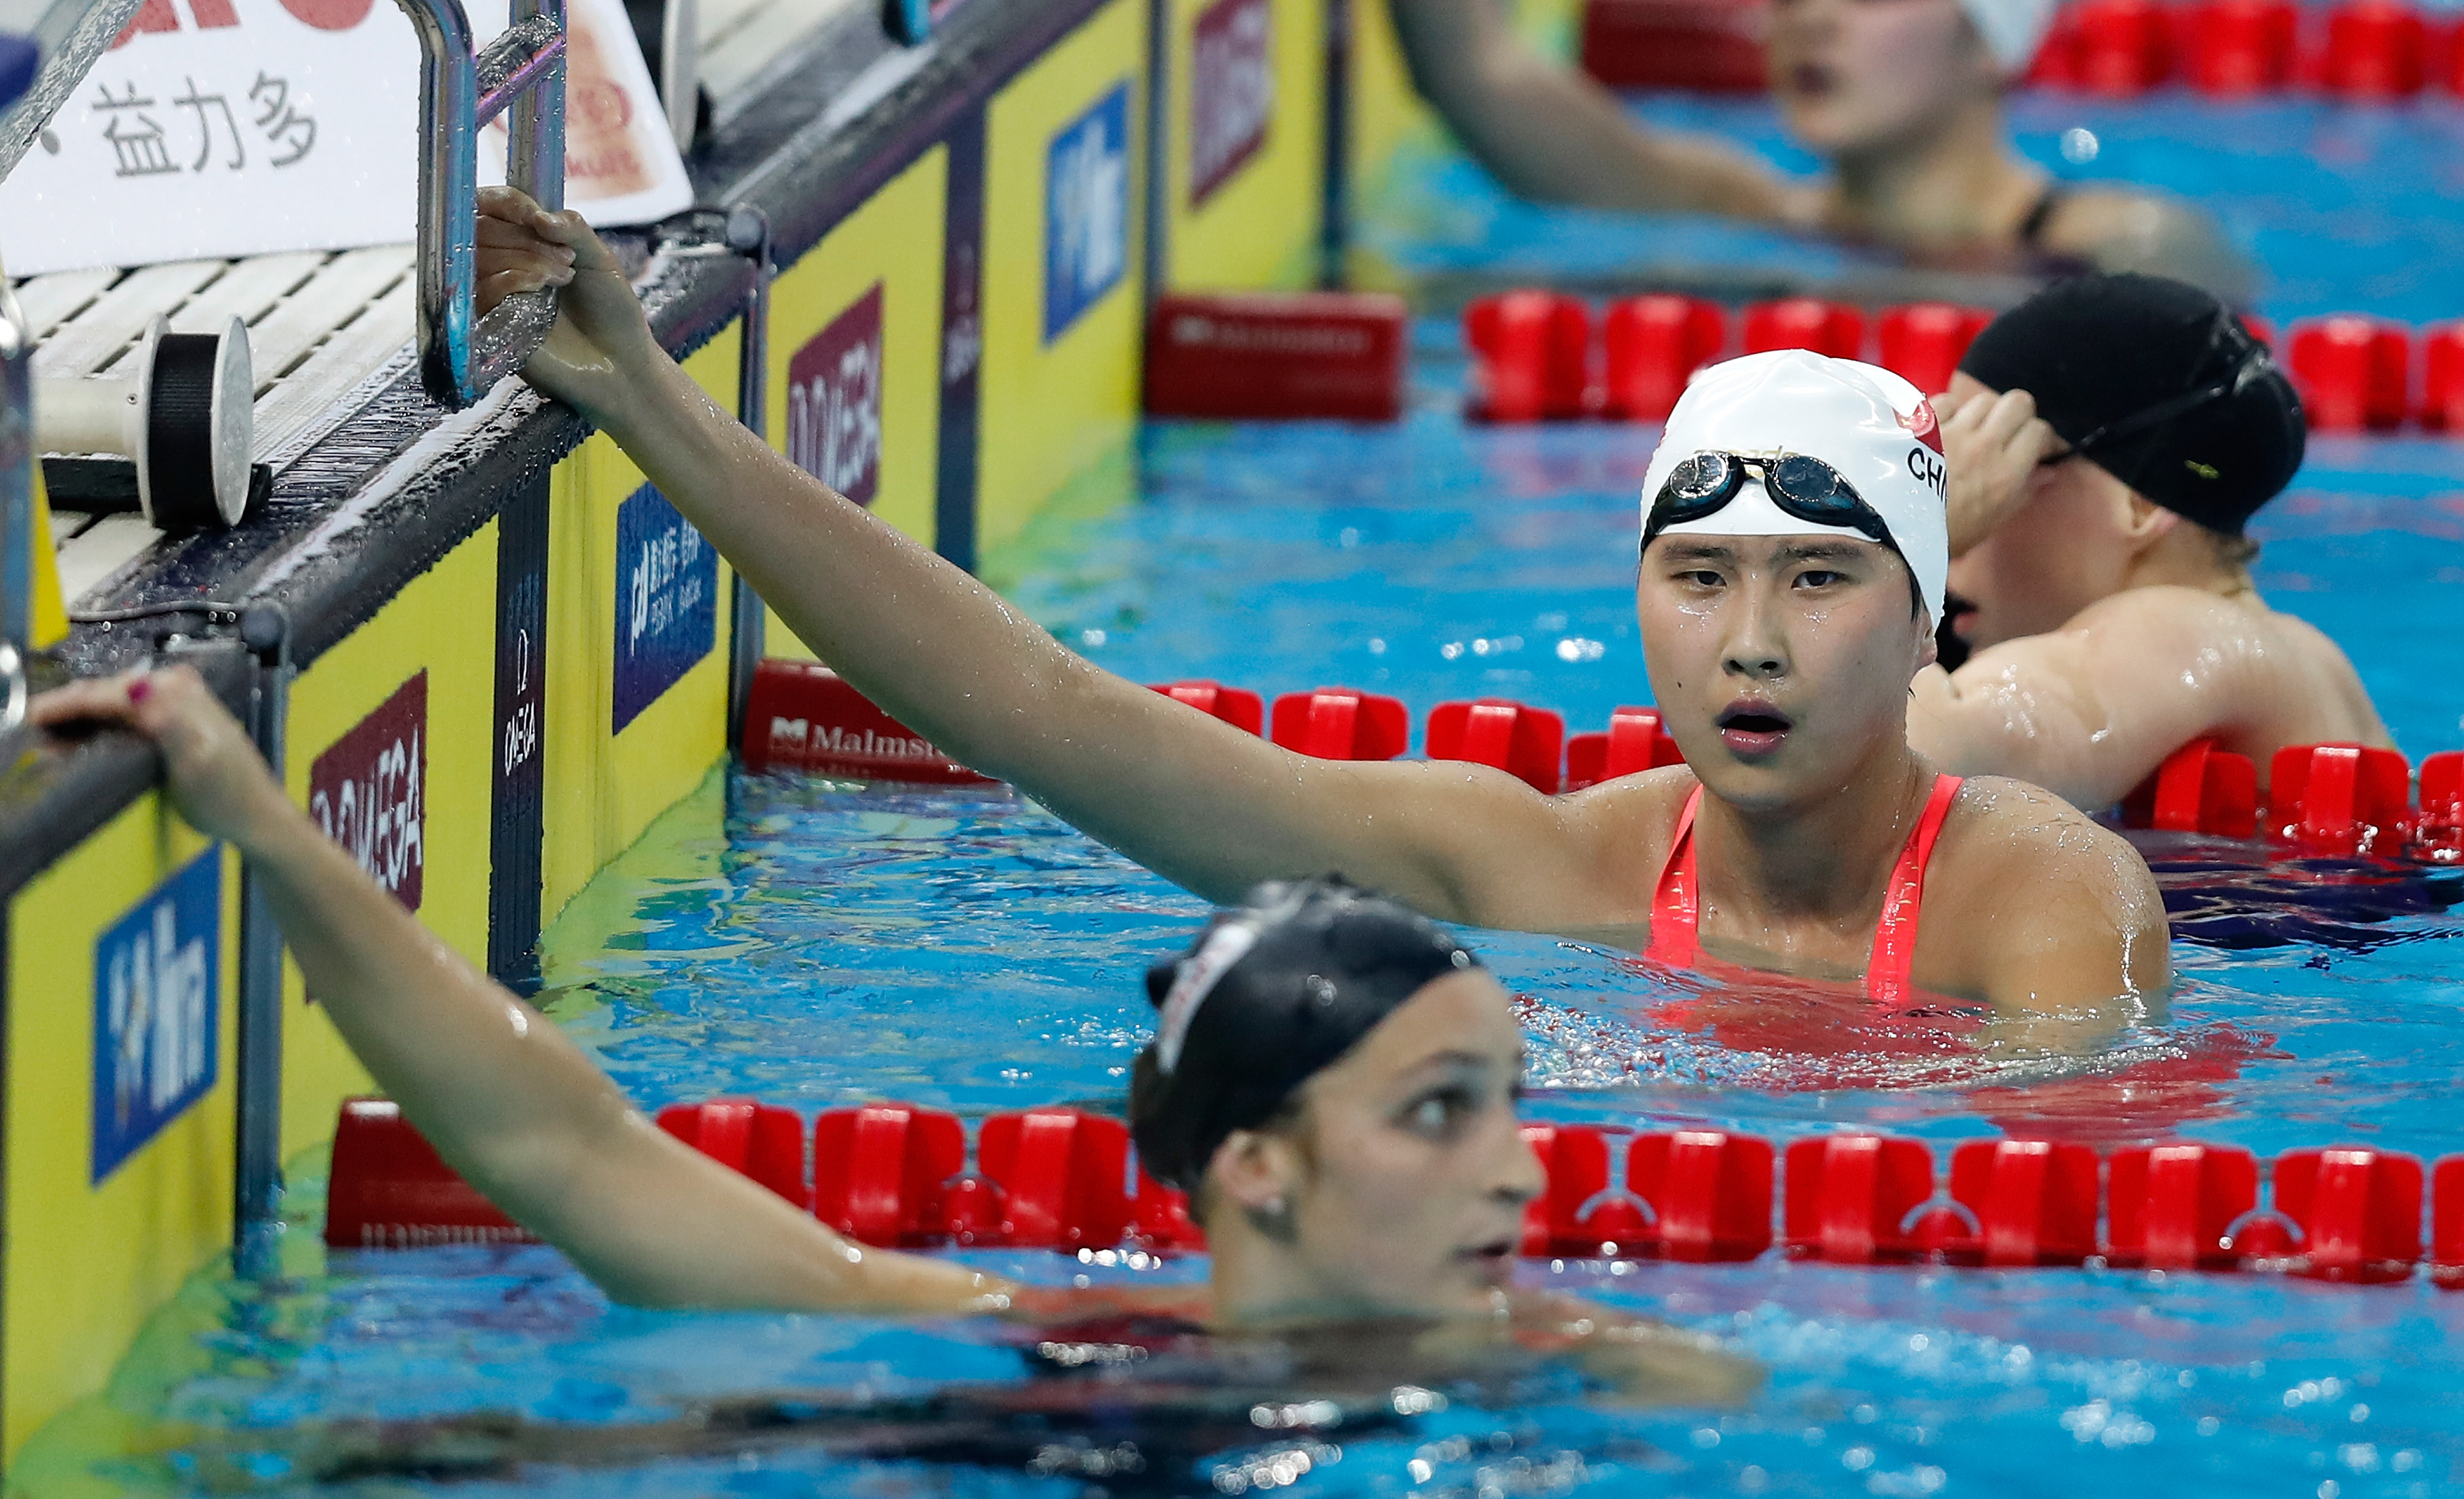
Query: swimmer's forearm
(1551, 134)
(510, 1102)
(1197, 801)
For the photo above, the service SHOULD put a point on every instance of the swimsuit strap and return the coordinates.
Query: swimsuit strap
(1676, 913)
(1887, 973)
(1677, 910)
(2030, 232)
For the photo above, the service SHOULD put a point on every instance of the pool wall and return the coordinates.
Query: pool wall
(507, 654)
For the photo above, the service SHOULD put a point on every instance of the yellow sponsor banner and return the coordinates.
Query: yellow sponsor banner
(1063, 246)
(389, 747)
(123, 1003)
(636, 690)
(855, 357)
(1247, 159)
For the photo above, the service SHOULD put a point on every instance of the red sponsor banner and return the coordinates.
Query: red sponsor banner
(834, 402)
(1231, 92)
(801, 716)
(368, 792)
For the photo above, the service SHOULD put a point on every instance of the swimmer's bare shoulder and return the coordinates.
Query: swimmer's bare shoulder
(2264, 678)
(2122, 227)
(2031, 905)
(1618, 835)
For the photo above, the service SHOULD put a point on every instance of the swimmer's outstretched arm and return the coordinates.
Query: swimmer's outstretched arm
(1551, 134)
(1194, 799)
(499, 1090)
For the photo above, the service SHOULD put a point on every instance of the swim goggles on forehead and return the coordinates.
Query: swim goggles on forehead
(2251, 361)
(1799, 483)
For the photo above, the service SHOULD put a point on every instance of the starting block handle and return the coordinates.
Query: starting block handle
(522, 74)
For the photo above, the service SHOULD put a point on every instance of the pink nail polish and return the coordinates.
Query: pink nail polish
(139, 690)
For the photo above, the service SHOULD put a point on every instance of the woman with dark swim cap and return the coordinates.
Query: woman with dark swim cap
(1333, 1078)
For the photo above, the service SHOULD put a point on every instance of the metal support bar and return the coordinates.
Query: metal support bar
(1334, 222)
(257, 1198)
(461, 356)
(748, 234)
(18, 539)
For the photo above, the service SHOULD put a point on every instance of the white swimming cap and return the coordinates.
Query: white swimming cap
(2012, 29)
(1877, 429)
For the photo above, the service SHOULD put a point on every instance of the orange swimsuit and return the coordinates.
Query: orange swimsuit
(1676, 906)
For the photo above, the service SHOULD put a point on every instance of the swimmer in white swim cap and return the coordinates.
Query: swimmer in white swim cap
(1787, 596)
(1903, 100)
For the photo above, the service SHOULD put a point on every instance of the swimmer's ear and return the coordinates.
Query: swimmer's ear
(1257, 1172)
(1930, 649)
(2145, 521)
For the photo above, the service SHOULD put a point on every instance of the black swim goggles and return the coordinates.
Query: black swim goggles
(1799, 483)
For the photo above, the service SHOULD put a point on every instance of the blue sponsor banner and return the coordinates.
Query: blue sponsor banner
(667, 605)
(155, 994)
(1085, 210)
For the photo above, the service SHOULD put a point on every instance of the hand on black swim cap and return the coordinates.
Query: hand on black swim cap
(2104, 353)
(1272, 992)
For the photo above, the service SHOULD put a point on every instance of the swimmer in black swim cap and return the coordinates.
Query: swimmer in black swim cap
(2109, 439)
(1332, 1080)
(1328, 1067)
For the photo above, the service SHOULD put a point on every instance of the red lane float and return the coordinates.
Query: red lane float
(1243, 710)
(1527, 743)
(1338, 723)
(2172, 1207)
(1805, 322)
(751, 1138)
(2241, 47)
(1654, 345)
(2438, 831)
(2376, 50)
(878, 1171)
(389, 1190)
(1271, 356)
(2339, 800)
(2358, 1211)
(2198, 789)
(2354, 373)
(1160, 1221)
(1532, 356)
(801, 716)
(1923, 342)
(1635, 743)
(1712, 46)
(1849, 1197)
(892, 1174)
(2035, 1201)
(2121, 48)
(1062, 1177)
(2442, 360)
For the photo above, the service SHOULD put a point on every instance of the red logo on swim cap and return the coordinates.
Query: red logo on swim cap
(1922, 426)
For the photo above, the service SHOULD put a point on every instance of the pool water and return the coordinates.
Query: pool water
(815, 945)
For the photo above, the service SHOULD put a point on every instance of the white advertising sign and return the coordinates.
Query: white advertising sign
(235, 127)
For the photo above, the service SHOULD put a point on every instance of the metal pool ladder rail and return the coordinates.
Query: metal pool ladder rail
(461, 91)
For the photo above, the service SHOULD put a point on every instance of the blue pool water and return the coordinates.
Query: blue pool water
(815, 945)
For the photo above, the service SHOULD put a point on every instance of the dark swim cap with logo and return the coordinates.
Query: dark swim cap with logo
(1273, 991)
(2157, 384)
